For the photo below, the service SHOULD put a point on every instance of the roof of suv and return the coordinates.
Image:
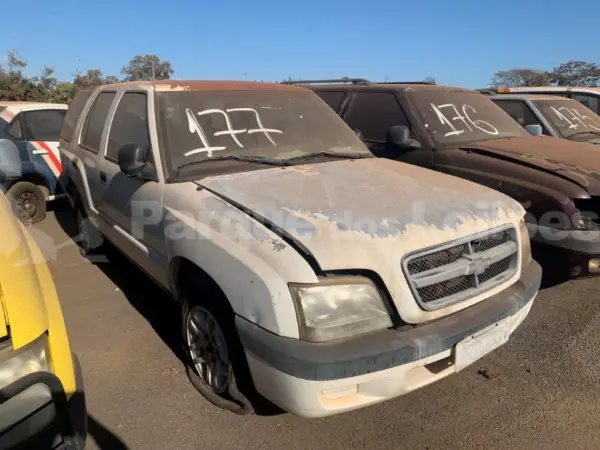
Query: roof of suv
(31, 105)
(517, 96)
(206, 85)
(361, 83)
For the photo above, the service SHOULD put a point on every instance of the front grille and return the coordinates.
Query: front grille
(459, 270)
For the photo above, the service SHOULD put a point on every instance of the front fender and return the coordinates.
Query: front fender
(250, 263)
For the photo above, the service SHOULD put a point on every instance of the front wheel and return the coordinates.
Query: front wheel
(214, 356)
(28, 202)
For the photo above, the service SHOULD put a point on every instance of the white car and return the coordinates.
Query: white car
(307, 270)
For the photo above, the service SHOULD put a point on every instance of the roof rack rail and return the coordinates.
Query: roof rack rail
(404, 82)
(333, 80)
(488, 91)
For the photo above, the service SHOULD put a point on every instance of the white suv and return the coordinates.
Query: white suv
(308, 270)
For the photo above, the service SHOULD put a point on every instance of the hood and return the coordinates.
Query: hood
(576, 161)
(365, 214)
(22, 303)
(595, 141)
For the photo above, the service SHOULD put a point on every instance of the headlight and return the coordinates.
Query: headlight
(334, 311)
(14, 365)
(525, 245)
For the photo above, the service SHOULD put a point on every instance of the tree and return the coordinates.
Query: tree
(46, 80)
(429, 80)
(147, 67)
(110, 79)
(93, 77)
(576, 73)
(15, 62)
(520, 77)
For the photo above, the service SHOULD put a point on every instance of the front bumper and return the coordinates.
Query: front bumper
(36, 414)
(570, 252)
(315, 380)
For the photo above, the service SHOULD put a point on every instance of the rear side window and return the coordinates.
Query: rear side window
(14, 129)
(129, 124)
(374, 113)
(590, 101)
(333, 98)
(91, 135)
(43, 125)
(73, 113)
(519, 111)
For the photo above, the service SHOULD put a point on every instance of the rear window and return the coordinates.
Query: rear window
(43, 125)
(73, 113)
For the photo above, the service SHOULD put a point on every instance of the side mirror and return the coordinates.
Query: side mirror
(399, 136)
(132, 159)
(534, 130)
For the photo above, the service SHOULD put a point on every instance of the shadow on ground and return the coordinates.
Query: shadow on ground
(105, 439)
(161, 312)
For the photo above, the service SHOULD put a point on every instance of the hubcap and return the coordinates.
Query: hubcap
(208, 350)
(27, 205)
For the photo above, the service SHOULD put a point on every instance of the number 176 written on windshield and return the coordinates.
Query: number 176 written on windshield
(463, 115)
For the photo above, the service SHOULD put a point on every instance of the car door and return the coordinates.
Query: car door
(131, 207)
(42, 133)
(372, 113)
(91, 140)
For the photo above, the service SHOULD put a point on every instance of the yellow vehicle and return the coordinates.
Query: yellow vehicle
(42, 403)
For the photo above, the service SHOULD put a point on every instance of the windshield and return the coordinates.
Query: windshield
(454, 117)
(569, 117)
(279, 125)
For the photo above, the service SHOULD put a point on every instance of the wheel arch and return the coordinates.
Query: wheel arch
(34, 178)
(180, 268)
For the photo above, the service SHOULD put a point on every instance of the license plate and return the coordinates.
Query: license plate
(476, 346)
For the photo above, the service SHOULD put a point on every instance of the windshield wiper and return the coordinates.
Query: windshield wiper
(250, 159)
(328, 154)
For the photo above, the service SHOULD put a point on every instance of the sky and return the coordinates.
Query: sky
(460, 43)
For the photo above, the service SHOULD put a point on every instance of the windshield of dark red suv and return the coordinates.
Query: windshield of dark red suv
(269, 124)
(453, 118)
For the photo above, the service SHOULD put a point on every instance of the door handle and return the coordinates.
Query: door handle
(102, 178)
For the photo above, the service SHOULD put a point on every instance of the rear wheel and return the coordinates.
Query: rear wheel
(28, 202)
(88, 237)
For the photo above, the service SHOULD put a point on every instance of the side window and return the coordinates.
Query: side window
(73, 113)
(333, 98)
(373, 113)
(43, 125)
(590, 101)
(14, 130)
(519, 111)
(91, 134)
(129, 125)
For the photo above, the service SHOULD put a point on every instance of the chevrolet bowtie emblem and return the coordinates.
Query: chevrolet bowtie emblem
(477, 264)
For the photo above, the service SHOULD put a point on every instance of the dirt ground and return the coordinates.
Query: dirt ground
(541, 389)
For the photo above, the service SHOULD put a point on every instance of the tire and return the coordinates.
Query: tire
(211, 304)
(89, 239)
(28, 202)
